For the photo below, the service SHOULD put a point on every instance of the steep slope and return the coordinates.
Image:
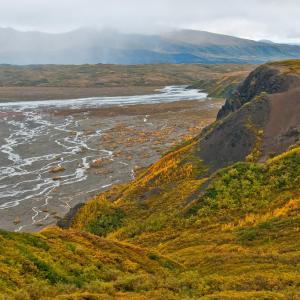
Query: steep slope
(91, 46)
(234, 235)
(260, 120)
(269, 78)
(184, 228)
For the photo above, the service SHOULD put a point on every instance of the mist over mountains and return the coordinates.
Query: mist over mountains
(91, 46)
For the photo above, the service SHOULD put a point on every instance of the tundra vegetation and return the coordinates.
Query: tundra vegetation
(71, 81)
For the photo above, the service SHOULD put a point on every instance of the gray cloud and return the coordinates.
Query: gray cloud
(256, 19)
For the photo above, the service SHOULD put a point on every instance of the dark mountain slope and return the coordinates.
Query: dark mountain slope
(283, 127)
(262, 118)
(233, 139)
(270, 78)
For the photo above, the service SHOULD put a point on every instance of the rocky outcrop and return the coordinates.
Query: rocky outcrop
(265, 78)
(233, 139)
(262, 119)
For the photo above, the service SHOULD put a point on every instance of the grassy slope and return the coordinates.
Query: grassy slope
(287, 66)
(223, 86)
(171, 234)
(55, 263)
(238, 237)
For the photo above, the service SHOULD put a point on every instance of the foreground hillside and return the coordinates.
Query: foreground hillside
(188, 227)
(166, 240)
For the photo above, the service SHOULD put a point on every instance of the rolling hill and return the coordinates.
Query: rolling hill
(90, 46)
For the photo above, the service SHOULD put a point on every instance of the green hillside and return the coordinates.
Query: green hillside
(238, 239)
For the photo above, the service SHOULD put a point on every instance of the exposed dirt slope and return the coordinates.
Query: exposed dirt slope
(262, 119)
(283, 126)
(232, 139)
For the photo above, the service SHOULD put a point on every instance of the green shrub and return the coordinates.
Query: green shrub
(106, 222)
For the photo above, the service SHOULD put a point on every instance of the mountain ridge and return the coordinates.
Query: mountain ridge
(92, 46)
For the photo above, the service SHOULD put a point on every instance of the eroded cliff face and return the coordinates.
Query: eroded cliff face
(234, 138)
(283, 126)
(262, 119)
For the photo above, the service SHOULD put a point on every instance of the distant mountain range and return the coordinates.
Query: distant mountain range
(107, 46)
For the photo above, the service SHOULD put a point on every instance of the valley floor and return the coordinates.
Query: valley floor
(114, 141)
(12, 94)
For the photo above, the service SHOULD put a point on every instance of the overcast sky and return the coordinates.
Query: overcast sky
(276, 20)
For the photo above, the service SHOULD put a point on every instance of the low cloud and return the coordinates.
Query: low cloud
(269, 19)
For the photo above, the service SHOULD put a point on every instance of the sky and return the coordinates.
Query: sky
(276, 20)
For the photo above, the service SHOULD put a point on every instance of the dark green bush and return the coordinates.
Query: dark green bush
(106, 222)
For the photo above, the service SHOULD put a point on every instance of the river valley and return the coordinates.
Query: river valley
(58, 153)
